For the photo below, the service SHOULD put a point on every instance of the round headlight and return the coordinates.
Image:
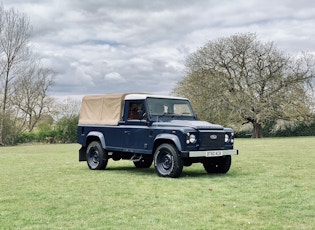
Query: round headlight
(192, 138)
(226, 139)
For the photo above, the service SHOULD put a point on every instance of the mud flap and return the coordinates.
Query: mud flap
(82, 154)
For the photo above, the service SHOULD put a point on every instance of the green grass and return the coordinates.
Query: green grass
(271, 185)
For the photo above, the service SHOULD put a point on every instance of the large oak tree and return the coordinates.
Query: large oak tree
(241, 79)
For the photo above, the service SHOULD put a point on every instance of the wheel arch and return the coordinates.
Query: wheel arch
(167, 138)
(95, 136)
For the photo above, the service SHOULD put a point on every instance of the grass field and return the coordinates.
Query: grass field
(271, 185)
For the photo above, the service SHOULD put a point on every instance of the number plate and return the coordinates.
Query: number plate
(213, 153)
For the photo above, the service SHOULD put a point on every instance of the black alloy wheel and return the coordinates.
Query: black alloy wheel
(167, 161)
(96, 156)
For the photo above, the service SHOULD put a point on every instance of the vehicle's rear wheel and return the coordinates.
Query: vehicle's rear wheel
(145, 162)
(96, 156)
(217, 164)
(167, 161)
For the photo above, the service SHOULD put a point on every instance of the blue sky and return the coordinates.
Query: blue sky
(105, 46)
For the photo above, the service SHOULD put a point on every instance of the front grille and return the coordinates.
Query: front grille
(208, 143)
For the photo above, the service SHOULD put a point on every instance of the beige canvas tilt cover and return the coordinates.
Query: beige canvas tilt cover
(101, 109)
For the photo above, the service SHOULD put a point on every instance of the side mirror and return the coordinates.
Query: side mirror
(142, 116)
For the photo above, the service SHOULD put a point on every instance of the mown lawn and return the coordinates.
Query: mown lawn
(271, 185)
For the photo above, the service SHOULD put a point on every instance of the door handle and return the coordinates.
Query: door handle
(127, 132)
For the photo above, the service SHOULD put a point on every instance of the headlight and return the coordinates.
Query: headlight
(226, 139)
(229, 138)
(191, 138)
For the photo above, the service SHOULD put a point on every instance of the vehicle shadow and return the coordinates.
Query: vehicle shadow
(131, 169)
(151, 171)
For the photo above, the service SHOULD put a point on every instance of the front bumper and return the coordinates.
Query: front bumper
(213, 153)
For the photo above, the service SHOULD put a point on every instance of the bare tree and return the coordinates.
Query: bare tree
(67, 108)
(14, 37)
(241, 79)
(30, 96)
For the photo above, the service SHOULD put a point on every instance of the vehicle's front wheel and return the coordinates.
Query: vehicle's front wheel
(167, 161)
(96, 156)
(217, 164)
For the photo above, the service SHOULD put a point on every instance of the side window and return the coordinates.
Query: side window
(136, 110)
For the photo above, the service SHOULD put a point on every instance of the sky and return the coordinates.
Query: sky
(118, 46)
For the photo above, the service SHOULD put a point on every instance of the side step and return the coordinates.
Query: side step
(136, 158)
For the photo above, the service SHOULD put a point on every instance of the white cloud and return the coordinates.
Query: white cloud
(114, 77)
(103, 46)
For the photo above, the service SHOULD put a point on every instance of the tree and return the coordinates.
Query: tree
(15, 32)
(29, 96)
(242, 79)
(66, 129)
(67, 108)
(67, 116)
(24, 82)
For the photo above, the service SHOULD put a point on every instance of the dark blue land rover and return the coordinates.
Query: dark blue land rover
(148, 128)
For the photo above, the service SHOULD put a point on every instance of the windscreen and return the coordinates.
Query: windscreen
(166, 106)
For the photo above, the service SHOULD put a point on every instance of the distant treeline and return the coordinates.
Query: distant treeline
(65, 131)
(287, 131)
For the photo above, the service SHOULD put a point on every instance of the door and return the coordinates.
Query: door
(136, 132)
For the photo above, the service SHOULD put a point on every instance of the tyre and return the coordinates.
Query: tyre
(167, 161)
(217, 164)
(145, 162)
(96, 156)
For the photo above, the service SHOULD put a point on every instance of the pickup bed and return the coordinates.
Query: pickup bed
(148, 128)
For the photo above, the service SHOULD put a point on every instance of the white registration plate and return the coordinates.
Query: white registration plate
(214, 153)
